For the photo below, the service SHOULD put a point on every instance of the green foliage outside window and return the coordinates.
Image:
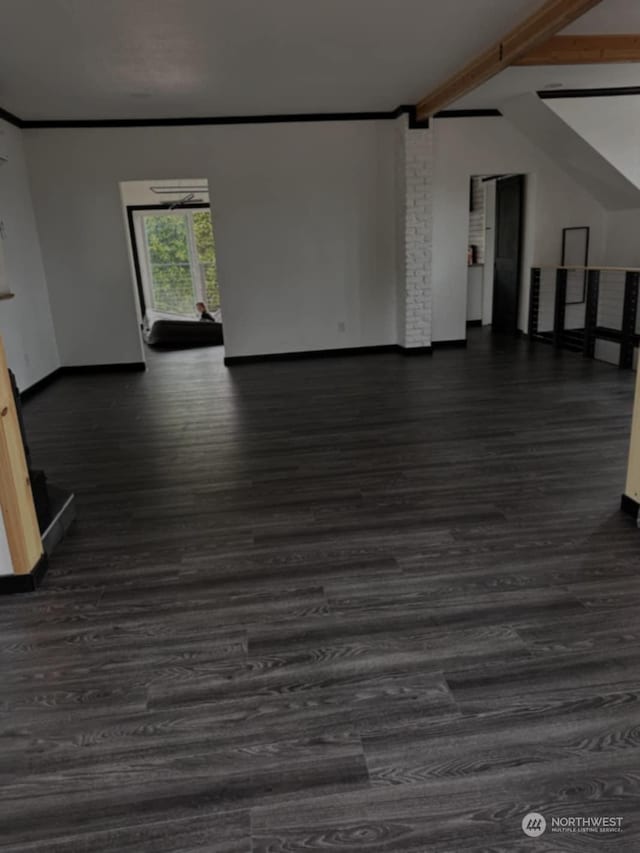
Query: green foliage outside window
(173, 284)
(203, 231)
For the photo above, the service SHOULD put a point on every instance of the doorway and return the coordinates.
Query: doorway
(509, 208)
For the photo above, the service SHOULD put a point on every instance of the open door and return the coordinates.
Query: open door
(508, 253)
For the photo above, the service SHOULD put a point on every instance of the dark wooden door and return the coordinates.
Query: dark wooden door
(508, 258)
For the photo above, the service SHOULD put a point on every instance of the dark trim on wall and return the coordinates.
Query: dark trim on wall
(455, 344)
(232, 360)
(10, 117)
(486, 113)
(40, 385)
(123, 367)
(474, 324)
(411, 351)
(612, 92)
(12, 584)
(287, 118)
(199, 121)
(629, 505)
(79, 369)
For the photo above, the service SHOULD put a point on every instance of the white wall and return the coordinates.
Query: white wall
(611, 125)
(485, 146)
(141, 192)
(26, 324)
(6, 564)
(623, 239)
(304, 219)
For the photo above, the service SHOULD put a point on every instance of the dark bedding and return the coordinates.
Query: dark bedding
(162, 330)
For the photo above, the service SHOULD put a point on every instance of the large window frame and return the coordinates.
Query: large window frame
(136, 215)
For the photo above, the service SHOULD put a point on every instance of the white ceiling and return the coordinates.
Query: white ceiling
(100, 59)
(609, 16)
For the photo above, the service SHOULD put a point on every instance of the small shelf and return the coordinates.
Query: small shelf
(6, 296)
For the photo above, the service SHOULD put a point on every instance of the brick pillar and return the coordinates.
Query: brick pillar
(415, 147)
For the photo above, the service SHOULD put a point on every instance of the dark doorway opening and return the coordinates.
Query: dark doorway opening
(508, 253)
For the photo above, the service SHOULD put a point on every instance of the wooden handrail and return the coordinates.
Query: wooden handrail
(16, 498)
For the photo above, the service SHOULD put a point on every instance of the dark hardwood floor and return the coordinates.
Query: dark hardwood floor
(351, 604)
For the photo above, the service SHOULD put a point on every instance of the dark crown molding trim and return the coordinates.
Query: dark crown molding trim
(199, 121)
(278, 118)
(10, 117)
(488, 113)
(556, 94)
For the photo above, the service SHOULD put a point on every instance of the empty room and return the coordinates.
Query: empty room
(319, 426)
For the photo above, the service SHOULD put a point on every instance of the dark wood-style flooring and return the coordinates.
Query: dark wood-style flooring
(359, 604)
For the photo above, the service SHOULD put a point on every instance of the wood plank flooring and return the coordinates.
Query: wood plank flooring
(344, 605)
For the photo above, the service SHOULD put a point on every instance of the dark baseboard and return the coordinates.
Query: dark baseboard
(12, 584)
(456, 344)
(40, 385)
(415, 350)
(75, 370)
(474, 324)
(124, 367)
(629, 505)
(232, 360)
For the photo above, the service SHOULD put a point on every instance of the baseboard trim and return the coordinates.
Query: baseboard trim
(78, 370)
(409, 351)
(455, 344)
(122, 367)
(40, 385)
(233, 360)
(474, 324)
(14, 584)
(629, 505)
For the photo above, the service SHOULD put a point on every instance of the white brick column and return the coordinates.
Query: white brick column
(415, 162)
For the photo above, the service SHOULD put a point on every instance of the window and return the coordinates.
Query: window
(179, 263)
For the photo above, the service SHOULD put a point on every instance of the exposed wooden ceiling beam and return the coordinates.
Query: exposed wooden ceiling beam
(550, 18)
(584, 50)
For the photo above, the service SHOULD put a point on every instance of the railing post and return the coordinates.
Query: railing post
(534, 302)
(629, 314)
(591, 313)
(631, 496)
(560, 306)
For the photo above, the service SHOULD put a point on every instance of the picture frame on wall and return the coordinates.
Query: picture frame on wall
(575, 253)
